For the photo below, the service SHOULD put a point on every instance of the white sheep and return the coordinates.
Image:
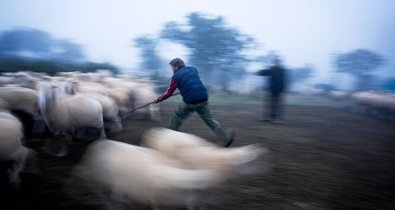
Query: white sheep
(12, 152)
(165, 175)
(338, 94)
(377, 104)
(92, 87)
(132, 94)
(5, 80)
(22, 102)
(20, 98)
(103, 73)
(138, 174)
(25, 79)
(310, 91)
(111, 118)
(197, 153)
(64, 114)
(144, 93)
(123, 97)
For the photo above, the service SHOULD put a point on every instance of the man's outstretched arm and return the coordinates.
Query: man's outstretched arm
(264, 72)
(170, 90)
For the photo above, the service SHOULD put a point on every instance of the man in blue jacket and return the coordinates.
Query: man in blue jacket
(195, 97)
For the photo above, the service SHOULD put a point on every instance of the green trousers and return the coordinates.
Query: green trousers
(184, 110)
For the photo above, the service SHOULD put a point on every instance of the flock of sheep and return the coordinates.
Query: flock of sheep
(73, 103)
(170, 169)
(378, 104)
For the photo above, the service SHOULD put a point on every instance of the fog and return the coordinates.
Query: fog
(303, 32)
(88, 119)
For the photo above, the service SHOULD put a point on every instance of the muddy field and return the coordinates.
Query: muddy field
(324, 157)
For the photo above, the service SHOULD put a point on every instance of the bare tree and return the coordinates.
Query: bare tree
(359, 63)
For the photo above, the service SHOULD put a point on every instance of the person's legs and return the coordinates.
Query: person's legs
(280, 107)
(277, 108)
(181, 113)
(205, 114)
(267, 101)
(274, 105)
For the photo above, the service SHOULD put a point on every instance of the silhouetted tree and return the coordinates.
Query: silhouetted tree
(389, 84)
(51, 67)
(359, 63)
(151, 61)
(300, 74)
(25, 42)
(215, 49)
(27, 49)
(268, 59)
(34, 43)
(65, 50)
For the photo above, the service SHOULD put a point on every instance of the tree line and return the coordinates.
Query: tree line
(27, 49)
(219, 52)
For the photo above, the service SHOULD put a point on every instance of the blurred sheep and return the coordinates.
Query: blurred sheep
(111, 119)
(376, 104)
(198, 153)
(178, 171)
(20, 98)
(136, 174)
(338, 94)
(22, 102)
(145, 93)
(13, 155)
(65, 115)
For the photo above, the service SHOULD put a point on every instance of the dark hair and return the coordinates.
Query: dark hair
(177, 62)
(277, 61)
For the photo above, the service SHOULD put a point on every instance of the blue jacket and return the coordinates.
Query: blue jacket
(191, 87)
(187, 80)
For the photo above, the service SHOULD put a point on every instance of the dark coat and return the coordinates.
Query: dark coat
(191, 87)
(277, 78)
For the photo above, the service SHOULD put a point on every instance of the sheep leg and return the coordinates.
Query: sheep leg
(57, 145)
(117, 125)
(31, 165)
(113, 125)
(90, 133)
(154, 112)
(103, 134)
(50, 142)
(64, 147)
(13, 175)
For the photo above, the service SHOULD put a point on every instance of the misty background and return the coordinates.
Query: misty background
(345, 45)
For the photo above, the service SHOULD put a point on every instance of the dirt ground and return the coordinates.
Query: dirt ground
(323, 157)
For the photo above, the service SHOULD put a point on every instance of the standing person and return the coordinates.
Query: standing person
(195, 98)
(276, 88)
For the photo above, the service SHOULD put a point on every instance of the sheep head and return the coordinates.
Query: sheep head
(47, 95)
(70, 87)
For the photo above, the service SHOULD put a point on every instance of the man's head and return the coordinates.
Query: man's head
(276, 62)
(176, 63)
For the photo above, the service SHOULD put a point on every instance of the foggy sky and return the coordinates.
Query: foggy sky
(303, 31)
